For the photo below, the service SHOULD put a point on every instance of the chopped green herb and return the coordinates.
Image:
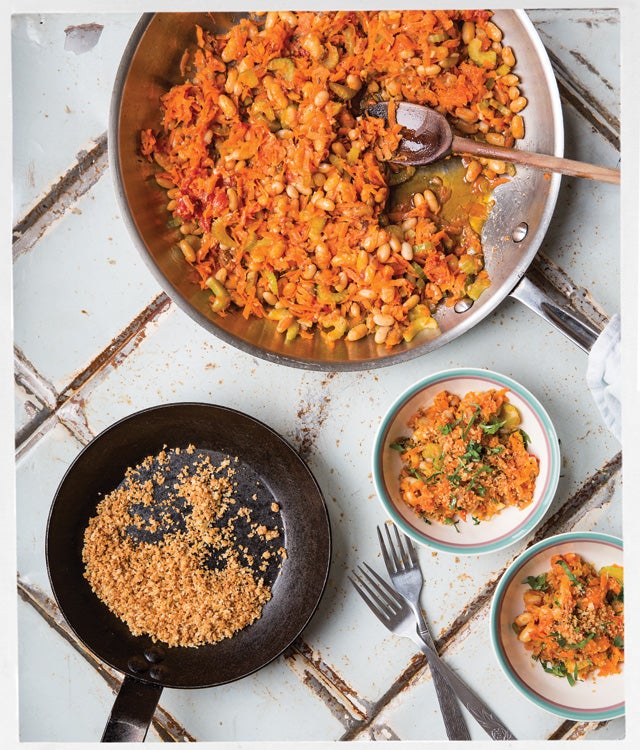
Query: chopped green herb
(473, 452)
(492, 427)
(455, 478)
(570, 575)
(618, 641)
(562, 641)
(474, 416)
(559, 669)
(525, 438)
(399, 445)
(445, 429)
(477, 489)
(537, 583)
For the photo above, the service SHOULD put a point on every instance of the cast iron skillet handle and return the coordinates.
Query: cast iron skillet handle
(577, 329)
(132, 711)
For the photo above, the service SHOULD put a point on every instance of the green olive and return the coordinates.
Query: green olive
(431, 451)
(511, 417)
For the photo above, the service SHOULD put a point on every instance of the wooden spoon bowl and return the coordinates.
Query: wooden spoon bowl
(428, 137)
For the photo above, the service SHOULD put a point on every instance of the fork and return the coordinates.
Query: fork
(404, 570)
(396, 615)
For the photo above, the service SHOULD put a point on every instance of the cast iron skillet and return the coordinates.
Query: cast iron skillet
(149, 667)
(511, 237)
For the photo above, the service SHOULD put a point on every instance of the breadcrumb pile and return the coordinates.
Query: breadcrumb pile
(162, 551)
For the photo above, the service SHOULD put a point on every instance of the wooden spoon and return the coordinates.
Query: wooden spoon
(428, 137)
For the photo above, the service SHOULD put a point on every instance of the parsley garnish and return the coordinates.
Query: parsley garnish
(559, 669)
(525, 438)
(399, 445)
(492, 427)
(570, 575)
(474, 416)
(474, 485)
(611, 597)
(445, 429)
(418, 475)
(562, 641)
(537, 583)
(473, 452)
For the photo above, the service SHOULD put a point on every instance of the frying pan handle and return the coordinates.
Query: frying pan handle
(577, 329)
(132, 711)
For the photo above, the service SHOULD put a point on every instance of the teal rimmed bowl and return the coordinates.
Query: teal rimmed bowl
(506, 527)
(595, 699)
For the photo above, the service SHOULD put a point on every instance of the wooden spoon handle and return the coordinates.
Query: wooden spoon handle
(541, 161)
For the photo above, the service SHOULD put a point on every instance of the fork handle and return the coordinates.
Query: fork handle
(449, 707)
(479, 710)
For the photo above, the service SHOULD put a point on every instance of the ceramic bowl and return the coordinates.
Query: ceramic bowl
(594, 699)
(505, 527)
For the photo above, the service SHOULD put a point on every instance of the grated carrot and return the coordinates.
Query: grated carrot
(573, 619)
(466, 458)
(281, 184)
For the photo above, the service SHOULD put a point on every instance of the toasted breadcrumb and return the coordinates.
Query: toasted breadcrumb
(148, 550)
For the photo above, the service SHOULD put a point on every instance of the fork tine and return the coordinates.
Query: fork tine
(388, 561)
(403, 555)
(397, 556)
(413, 555)
(381, 589)
(375, 590)
(396, 561)
(358, 585)
(377, 603)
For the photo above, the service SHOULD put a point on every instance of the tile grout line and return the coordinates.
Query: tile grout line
(340, 699)
(574, 93)
(60, 197)
(579, 298)
(32, 381)
(36, 386)
(118, 349)
(166, 726)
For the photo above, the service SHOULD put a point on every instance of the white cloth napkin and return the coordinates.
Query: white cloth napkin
(604, 375)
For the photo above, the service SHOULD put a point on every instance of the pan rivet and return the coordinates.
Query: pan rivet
(463, 305)
(154, 655)
(520, 232)
(157, 672)
(137, 664)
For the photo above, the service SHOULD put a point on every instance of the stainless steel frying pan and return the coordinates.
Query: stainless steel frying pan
(511, 238)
